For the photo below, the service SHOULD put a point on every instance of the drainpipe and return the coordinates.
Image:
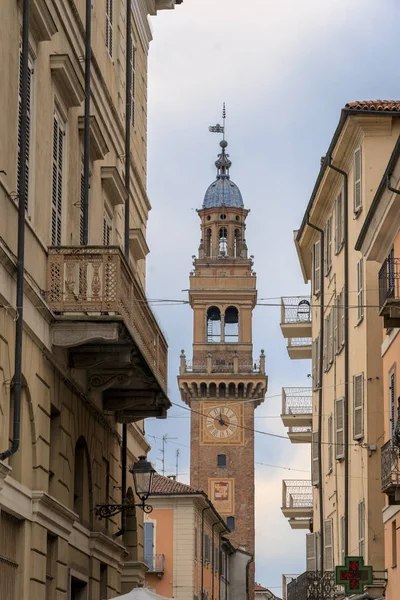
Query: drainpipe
(123, 479)
(86, 141)
(320, 390)
(202, 548)
(23, 175)
(346, 353)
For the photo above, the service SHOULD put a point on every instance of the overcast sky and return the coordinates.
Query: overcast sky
(285, 69)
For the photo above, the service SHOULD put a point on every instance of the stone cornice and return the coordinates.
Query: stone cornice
(113, 185)
(140, 13)
(41, 21)
(106, 549)
(67, 79)
(51, 514)
(98, 144)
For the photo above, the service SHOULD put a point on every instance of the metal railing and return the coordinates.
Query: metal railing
(390, 466)
(191, 367)
(299, 429)
(97, 280)
(297, 493)
(296, 309)
(311, 585)
(296, 400)
(389, 280)
(299, 342)
(155, 563)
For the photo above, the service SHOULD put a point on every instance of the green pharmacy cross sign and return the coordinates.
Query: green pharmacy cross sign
(353, 575)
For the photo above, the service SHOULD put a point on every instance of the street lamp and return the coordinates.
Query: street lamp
(142, 472)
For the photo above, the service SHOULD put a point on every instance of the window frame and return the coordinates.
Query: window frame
(360, 290)
(317, 268)
(361, 528)
(330, 444)
(357, 175)
(358, 405)
(314, 459)
(57, 207)
(339, 402)
(339, 222)
(328, 547)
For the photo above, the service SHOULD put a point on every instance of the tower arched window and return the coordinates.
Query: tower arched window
(209, 242)
(232, 325)
(223, 241)
(213, 324)
(237, 243)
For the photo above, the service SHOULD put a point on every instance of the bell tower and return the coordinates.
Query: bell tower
(223, 384)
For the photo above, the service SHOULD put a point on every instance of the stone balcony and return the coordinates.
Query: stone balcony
(296, 317)
(299, 348)
(297, 502)
(297, 413)
(104, 322)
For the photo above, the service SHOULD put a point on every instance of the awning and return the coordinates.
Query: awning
(141, 594)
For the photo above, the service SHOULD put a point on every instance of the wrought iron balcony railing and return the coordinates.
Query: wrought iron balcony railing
(296, 401)
(297, 493)
(155, 563)
(300, 342)
(214, 367)
(390, 467)
(311, 585)
(97, 281)
(389, 292)
(296, 309)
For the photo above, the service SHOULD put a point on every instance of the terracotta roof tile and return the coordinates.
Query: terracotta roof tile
(378, 105)
(165, 485)
(259, 588)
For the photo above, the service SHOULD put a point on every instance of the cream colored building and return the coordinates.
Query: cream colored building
(338, 327)
(93, 354)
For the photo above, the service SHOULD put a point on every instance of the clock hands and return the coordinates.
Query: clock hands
(221, 420)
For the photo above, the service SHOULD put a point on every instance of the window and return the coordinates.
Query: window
(230, 521)
(216, 559)
(317, 268)
(357, 181)
(231, 325)
(195, 542)
(9, 530)
(328, 342)
(103, 581)
(358, 406)
(361, 528)
(24, 193)
(237, 243)
(209, 242)
(315, 364)
(311, 551)
(81, 205)
(342, 326)
(79, 589)
(149, 544)
(394, 545)
(392, 406)
(57, 179)
(339, 222)
(330, 445)
(132, 64)
(107, 229)
(109, 26)
(221, 460)
(213, 324)
(339, 429)
(328, 245)
(328, 545)
(207, 553)
(51, 566)
(223, 241)
(315, 459)
(342, 539)
(360, 290)
(81, 482)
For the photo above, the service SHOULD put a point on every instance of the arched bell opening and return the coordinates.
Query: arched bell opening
(231, 390)
(232, 325)
(209, 242)
(223, 241)
(237, 243)
(241, 390)
(203, 390)
(213, 390)
(213, 324)
(222, 390)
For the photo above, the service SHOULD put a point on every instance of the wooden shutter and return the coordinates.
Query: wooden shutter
(358, 406)
(216, 560)
(360, 289)
(331, 337)
(342, 539)
(311, 551)
(57, 180)
(148, 543)
(339, 222)
(343, 317)
(107, 229)
(133, 82)
(357, 181)
(24, 194)
(81, 205)
(328, 545)
(195, 542)
(315, 363)
(392, 406)
(109, 26)
(9, 531)
(315, 459)
(328, 246)
(326, 342)
(336, 322)
(330, 445)
(339, 429)
(317, 267)
(361, 528)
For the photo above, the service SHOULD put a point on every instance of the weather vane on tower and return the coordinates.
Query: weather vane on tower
(220, 128)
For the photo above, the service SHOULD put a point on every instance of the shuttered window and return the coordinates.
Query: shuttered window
(361, 528)
(311, 551)
(392, 406)
(57, 180)
(326, 342)
(331, 338)
(343, 318)
(107, 229)
(358, 406)
(81, 206)
(317, 268)
(315, 364)
(195, 542)
(9, 529)
(216, 559)
(342, 539)
(328, 545)
(133, 80)
(148, 543)
(357, 181)
(330, 444)
(339, 222)
(328, 246)
(360, 290)
(206, 548)
(109, 26)
(24, 193)
(315, 459)
(339, 429)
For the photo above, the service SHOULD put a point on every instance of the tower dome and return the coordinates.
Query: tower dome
(223, 192)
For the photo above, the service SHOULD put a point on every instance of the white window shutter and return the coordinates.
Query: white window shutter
(311, 551)
(339, 222)
(339, 429)
(24, 194)
(317, 267)
(57, 180)
(357, 180)
(133, 79)
(109, 26)
(392, 405)
(314, 364)
(361, 528)
(328, 545)
(331, 337)
(81, 206)
(342, 539)
(343, 317)
(360, 289)
(330, 444)
(336, 321)
(318, 360)
(315, 459)
(107, 229)
(326, 342)
(358, 406)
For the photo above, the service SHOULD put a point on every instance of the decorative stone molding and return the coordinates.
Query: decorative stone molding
(67, 79)
(106, 379)
(138, 244)
(41, 21)
(66, 336)
(133, 573)
(113, 185)
(4, 471)
(98, 144)
(51, 514)
(107, 550)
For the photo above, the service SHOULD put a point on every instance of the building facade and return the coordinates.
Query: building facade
(379, 242)
(223, 384)
(186, 549)
(338, 327)
(94, 359)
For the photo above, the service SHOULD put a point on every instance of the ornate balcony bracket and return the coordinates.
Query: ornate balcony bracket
(106, 379)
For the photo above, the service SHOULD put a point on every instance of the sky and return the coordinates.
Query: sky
(285, 69)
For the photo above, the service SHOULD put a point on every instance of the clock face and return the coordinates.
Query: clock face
(221, 422)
